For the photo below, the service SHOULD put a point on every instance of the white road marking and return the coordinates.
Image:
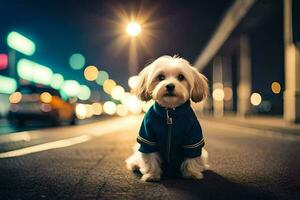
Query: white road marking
(104, 128)
(46, 146)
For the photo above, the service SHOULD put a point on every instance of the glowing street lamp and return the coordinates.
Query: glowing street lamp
(133, 29)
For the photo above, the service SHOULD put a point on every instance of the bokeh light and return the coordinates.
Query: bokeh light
(89, 110)
(255, 99)
(218, 94)
(91, 73)
(77, 61)
(227, 93)
(276, 87)
(133, 29)
(80, 111)
(109, 85)
(35, 72)
(70, 88)
(97, 108)
(20, 43)
(57, 81)
(7, 85)
(133, 82)
(46, 97)
(122, 110)
(117, 92)
(109, 107)
(84, 92)
(102, 76)
(15, 97)
(134, 104)
(3, 61)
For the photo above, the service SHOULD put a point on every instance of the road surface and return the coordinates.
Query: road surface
(87, 162)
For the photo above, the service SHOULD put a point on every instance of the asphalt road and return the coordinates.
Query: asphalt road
(87, 162)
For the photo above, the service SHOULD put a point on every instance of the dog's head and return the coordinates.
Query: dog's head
(171, 81)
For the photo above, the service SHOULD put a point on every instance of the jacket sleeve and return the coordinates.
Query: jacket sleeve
(146, 138)
(194, 142)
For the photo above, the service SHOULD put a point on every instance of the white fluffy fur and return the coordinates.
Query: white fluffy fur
(193, 86)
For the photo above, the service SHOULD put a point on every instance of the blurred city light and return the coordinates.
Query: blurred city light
(102, 76)
(57, 81)
(218, 94)
(122, 110)
(108, 85)
(255, 99)
(117, 92)
(84, 92)
(133, 29)
(91, 73)
(97, 108)
(133, 82)
(3, 61)
(77, 61)
(70, 88)
(20, 43)
(109, 107)
(15, 97)
(89, 110)
(134, 104)
(35, 72)
(7, 85)
(227, 93)
(46, 97)
(80, 111)
(276, 87)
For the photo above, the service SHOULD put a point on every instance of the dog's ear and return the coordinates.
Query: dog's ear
(141, 89)
(200, 87)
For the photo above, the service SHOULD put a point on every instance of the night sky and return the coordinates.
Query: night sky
(61, 28)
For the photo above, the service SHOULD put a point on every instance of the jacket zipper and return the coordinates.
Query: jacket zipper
(169, 123)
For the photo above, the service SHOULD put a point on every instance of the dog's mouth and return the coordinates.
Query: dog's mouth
(169, 94)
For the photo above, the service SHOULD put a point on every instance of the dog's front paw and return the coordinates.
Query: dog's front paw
(197, 176)
(150, 178)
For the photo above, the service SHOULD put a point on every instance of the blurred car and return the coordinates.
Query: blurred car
(31, 102)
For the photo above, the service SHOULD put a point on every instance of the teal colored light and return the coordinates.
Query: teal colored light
(57, 81)
(102, 76)
(34, 72)
(20, 43)
(70, 88)
(77, 61)
(84, 93)
(7, 85)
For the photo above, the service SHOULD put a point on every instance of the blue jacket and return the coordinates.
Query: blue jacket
(174, 133)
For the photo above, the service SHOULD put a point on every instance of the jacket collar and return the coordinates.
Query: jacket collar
(162, 111)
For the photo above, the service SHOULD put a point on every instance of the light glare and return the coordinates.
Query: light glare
(133, 29)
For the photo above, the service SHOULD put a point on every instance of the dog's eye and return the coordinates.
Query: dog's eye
(180, 77)
(161, 77)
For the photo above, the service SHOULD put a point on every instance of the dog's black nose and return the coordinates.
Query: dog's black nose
(170, 87)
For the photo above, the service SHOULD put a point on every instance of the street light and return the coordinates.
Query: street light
(133, 29)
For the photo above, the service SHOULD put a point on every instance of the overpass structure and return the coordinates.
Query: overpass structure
(254, 48)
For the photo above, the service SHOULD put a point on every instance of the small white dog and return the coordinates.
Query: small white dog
(170, 138)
